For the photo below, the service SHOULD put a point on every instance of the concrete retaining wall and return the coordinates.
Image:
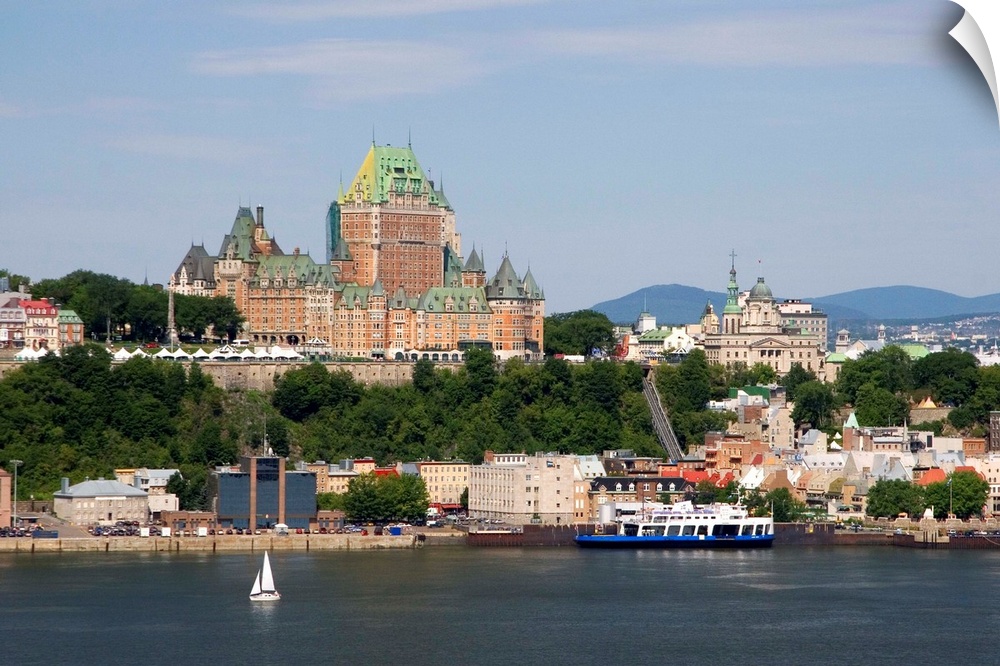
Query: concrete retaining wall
(223, 543)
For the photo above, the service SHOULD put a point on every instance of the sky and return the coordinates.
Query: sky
(608, 146)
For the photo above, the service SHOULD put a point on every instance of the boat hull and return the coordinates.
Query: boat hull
(265, 596)
(620, 541)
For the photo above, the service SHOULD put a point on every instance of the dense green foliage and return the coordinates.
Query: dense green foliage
(115, 306)
(891, 497)
(779, 503)
(554, 406)
(371, 498)
(685, 390)
(578, 333)
(963, 493)
(78, 416)
(880, 385)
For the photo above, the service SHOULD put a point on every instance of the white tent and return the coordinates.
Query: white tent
(226, 350)
(122, 355)
(200, 355)
(278, 352)
(139, 353)
(181, 355)
(164, 353)
(262, 354)
(247, 355)
(26, 354)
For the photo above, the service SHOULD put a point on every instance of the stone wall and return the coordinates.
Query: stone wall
(261, 376)
(918, 416)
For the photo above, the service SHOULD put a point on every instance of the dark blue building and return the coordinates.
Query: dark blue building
(263, 494)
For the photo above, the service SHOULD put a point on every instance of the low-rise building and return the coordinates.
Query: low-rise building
(100, 502)
(263, 493)
(445, 481)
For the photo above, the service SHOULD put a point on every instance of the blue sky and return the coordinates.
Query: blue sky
(608, 145)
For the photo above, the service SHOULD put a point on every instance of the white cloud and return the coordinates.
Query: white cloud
(887, 34)
(318, 11)
(182, 147)
(350, 68)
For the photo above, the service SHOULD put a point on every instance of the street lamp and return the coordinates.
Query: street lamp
(16, 464)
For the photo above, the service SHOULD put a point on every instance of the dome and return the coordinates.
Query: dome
(761, 291)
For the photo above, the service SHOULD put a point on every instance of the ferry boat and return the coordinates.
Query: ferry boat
(684, 525)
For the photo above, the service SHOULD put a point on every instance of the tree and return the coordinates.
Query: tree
(875, 406)
(794, 378)
(889, 368)
(481, 372)
(780, 503)
(963, 493)
(813, 404)
(888, 498)
(579, 333)
(951, 375)
(15, 280)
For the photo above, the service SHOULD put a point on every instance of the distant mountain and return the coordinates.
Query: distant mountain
(679, 304)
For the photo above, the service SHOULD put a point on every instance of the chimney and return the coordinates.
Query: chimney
(295, 252)
(260, 216)
(64, 488)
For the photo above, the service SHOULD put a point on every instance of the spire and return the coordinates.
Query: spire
(474, 264)
(732, 299)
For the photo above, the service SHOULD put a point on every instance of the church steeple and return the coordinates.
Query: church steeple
(732, 314)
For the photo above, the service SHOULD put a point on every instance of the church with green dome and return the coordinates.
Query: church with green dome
(756, 328)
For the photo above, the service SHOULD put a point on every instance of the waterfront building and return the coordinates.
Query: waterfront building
(635, 490)
(154, 482)
(519, 488)
(100, 502)
(446, 480)
(754, 330)
(263, 493)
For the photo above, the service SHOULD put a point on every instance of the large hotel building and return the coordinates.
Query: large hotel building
(394, 284)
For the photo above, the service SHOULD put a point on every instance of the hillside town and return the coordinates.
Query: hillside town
(396, 286)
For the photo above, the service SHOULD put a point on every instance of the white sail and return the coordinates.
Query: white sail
(256, 585)
(266, 579)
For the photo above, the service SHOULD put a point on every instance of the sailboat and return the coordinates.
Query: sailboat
(263, 584)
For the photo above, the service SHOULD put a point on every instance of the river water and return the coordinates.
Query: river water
(458, 605)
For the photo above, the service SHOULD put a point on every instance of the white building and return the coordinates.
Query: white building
(518, 488)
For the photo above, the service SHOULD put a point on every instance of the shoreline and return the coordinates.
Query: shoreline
(225, 543)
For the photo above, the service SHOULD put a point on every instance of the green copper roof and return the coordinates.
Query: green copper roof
(761, 292)
(386, 169)
(241, 236)
(437, 299)
(474, 264)
(301, 267)
(531, 288)
(505, 284)
(341, 252)
(69, 317)
(835, 357)
(915, 351)
(732, 297)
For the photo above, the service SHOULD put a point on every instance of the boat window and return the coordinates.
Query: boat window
(703, 530)
(759, 530)
(747, 530)
(689, 530)
(673, 530)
